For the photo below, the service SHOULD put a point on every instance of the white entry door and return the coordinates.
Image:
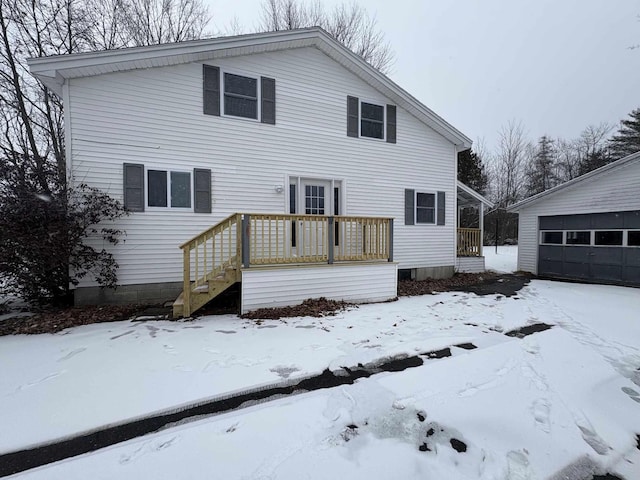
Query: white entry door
(315, 199)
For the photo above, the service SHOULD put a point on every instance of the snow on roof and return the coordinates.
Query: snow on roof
(55, 70)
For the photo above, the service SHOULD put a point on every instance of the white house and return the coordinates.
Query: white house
(256, 154)
(585, 229)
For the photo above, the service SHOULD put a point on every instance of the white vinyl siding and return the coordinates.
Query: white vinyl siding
(277, 287)
(470, 265)
(613, 191)
(155, 117)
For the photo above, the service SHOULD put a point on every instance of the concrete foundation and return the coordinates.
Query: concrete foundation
(423, 273)
(151, 293)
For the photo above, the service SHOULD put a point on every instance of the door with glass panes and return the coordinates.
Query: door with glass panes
(313, 197)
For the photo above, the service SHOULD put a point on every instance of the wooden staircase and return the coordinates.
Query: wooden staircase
(211, 264)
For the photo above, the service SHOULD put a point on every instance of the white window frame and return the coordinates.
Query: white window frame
(415, 208)
(168, 171)
(592, 237)
(626, 237)
(258, 94)
(564, 237)
(384, 119)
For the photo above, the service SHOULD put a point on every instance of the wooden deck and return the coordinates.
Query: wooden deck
(214, 259)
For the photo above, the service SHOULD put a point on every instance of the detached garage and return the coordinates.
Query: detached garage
(586, 229)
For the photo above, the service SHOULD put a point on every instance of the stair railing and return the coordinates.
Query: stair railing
(209, 254)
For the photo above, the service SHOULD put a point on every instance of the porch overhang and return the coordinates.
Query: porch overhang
(468, 197)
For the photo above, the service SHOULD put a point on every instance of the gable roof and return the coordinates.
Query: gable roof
(54, 70)
(634, 157)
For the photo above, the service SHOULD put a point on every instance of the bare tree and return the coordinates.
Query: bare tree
(350, 24)
(508, 165)
(568, 159)
(34, 198)
(149, 22)
(592, 147)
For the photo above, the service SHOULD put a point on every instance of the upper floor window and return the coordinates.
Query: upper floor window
(240, 96)
(371, 120)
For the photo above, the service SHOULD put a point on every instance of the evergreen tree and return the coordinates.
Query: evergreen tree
(471, 171)
(627, 140)
(542, 170)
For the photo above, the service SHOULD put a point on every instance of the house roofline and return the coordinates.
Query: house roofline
(587, 176)
(474, 194)
(55, 70)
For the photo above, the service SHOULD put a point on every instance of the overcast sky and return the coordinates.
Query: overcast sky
(555, 65)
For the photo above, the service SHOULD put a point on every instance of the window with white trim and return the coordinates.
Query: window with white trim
(371, 120)
(552, 238)
(240, 94)
(425, 207)
(579, 237)
(168, 189)
(608, 237)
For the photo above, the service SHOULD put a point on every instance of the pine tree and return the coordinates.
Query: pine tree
(627, 140)
(542, 171)
(471, 171)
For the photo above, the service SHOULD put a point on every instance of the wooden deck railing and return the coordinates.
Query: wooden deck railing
(246, 240)
(209, 254)
(286, 239)
(469, 242)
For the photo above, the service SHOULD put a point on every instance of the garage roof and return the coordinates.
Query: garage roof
(527, 202)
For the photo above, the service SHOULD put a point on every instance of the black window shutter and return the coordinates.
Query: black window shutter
(409, 207)
(133, 186)
(211, 90)
(352, 116)
(202, 190)
(268, 88)
(441, 208)
(391, 124)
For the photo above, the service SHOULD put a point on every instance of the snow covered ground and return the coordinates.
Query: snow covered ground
(505, 260)
(556, 404)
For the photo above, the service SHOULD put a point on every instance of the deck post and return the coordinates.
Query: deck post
(481, 225)
(186, 279)
(246, 245)
(391, 239)
(330, 238)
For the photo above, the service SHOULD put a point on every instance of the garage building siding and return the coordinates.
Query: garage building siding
(615, 190)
